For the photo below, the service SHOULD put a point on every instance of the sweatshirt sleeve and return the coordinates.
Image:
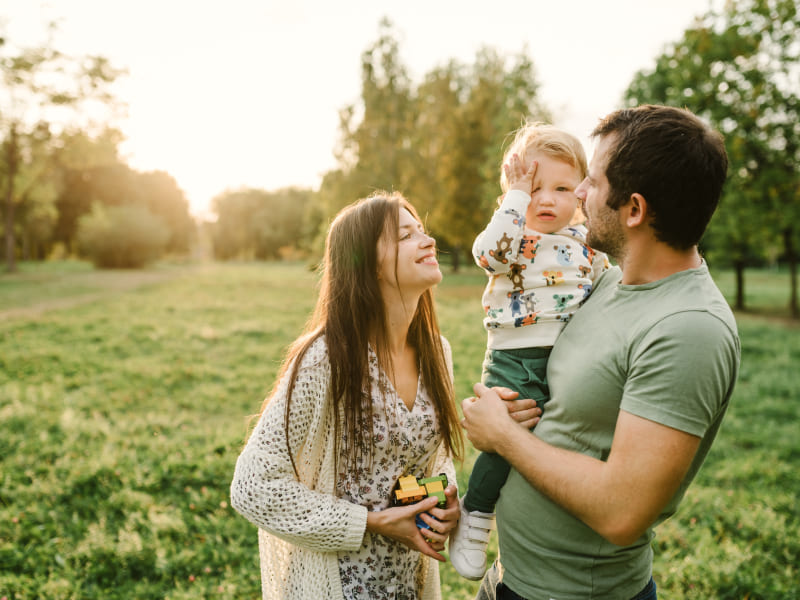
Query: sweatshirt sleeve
(265, 489)
(496, 247)
(600, 265)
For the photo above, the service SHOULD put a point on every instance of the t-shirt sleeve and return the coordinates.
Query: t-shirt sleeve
(681, 372)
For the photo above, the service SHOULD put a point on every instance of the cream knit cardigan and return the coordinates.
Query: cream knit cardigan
(302, 524)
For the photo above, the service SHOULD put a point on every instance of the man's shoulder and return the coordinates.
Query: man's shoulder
(608, 278)
(696, 296)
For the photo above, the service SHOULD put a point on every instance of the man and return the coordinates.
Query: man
(640, 377)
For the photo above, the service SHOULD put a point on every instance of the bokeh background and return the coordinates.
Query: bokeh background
(168, 169)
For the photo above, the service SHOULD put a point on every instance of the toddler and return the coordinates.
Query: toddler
(540, 271)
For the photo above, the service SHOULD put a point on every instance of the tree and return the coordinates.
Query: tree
(440, 144)
(92, 174)
(740, 70)
(437, 122)
(374, 151)
(253, 223)
(40, 84)
(160, 193)
(77, 155)
(36, 188)
(121, 237)
(464, 115)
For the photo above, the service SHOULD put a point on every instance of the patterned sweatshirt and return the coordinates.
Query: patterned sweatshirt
(536, 280)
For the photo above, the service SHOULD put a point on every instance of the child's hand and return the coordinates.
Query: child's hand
(523, 410)
(517, 176)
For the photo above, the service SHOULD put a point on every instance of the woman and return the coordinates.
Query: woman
(365, 396)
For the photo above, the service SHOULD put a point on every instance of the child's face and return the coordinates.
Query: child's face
(553, 199)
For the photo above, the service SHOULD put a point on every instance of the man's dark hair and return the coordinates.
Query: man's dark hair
(673, 159)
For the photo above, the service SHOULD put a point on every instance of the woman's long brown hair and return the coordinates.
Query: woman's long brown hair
(350, 314)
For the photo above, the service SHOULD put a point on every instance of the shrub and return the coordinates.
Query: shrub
(121, 236)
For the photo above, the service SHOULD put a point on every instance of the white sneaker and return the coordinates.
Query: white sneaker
(468, 542)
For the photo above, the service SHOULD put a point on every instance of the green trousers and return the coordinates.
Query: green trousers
(523, 370)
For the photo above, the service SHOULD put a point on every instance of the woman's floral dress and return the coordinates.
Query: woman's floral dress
(405, 441)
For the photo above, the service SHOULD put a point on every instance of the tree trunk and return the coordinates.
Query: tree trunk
(739, 266)
(11, 263)
(792, 260)
(456, 254)
(12, 153)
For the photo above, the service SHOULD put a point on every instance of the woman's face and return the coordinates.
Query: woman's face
(407, 257)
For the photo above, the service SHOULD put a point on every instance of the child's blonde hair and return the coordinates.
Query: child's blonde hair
(551, 141)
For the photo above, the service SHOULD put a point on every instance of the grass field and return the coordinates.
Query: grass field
(123, 404)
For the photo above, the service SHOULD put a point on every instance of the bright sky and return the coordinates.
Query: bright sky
(247, 92)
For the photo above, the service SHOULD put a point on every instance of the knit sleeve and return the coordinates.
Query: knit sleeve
(448, 359)
(496, 248)
(265, 489)
(442, 461)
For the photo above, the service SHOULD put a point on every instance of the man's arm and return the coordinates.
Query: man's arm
(619, 498)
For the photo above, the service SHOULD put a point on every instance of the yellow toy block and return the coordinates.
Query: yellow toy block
(408, 482)
(412, 495)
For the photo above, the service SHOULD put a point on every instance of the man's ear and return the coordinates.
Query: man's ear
(636, 210)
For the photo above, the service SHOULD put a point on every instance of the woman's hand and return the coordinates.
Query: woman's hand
(398, 523)
(442, 521)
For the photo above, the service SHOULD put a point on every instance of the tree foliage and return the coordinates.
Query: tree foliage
(465, 114)
(122, 237)
(740, 70)
(374, 150)
(106, 181)
(59, 165)
(439, 142)
(254, 223)
(40, 86)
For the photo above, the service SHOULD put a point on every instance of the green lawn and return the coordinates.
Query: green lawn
(123, 406)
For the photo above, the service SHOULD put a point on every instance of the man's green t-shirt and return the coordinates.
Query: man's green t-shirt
(667, 351)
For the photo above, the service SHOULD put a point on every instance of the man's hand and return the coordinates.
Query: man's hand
(518, 176)
(487, 417)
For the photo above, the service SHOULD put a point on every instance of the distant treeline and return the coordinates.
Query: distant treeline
(440, 141)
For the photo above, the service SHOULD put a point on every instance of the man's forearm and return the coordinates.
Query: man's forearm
(619, 498)
(573, 481)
